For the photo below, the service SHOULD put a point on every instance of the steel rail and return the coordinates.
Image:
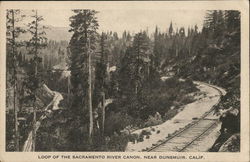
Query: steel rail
(192, 125)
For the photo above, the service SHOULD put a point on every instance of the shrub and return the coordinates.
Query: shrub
(118, 143)
(140, 139)
(154, 120)
(116, 122)
(133, 137)
(145, 132)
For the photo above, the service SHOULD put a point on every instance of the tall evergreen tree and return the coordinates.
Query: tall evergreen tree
(12, 32)
(142, 52)
(101, 76)
(101, 65)
(34, 45)
(82, 46)
(156, 49)
(171, 30)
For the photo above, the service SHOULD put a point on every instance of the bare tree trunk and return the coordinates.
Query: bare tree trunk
(34, 106)
(15, 82)
(90, 95)
(34, 128)
(69, 90)
(137, 68)
(176, 52)
(43, 61)
(108, 72)
(16, 120)
(103, 113)
(34, 117)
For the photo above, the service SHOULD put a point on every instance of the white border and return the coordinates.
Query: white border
(243, 6)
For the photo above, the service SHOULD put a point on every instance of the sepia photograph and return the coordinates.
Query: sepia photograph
(105, 79)
(87, 80)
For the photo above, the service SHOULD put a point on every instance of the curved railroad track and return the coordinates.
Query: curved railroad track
(184, 139)
(28, 145)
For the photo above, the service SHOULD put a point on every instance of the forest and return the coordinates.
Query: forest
(112, 85)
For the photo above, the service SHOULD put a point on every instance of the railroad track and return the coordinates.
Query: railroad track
(28, 145)
(184, 139)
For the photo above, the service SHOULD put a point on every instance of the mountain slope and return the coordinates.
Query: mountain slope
(52, 33)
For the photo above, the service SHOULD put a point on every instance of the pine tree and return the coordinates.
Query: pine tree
(232, 19)
(34, 45)
(195, 29)
(82, 45)
(101, 77)
(101, 66)
(12, 32)
(215, 23)
(156, 49)
(182, 32)
(126, 73)
(170, 30)
(142, 52)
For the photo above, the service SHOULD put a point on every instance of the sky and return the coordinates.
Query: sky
(132, 20)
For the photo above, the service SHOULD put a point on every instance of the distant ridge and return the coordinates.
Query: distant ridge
(53, 33)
